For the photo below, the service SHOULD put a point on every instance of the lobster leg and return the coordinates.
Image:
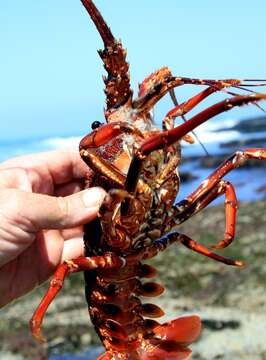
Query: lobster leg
(222, 187)
(174, 237)
(169, 122)
(181, 109)
(166, 138)
(185, 107)
(67, 267)
(201, 249)
(233, 162)
(212, 187)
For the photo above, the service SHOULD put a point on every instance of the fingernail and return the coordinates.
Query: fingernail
(93, 197)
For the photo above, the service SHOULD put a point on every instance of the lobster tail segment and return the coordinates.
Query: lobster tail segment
(167, 341)
(117, 83)
(171, 339)
(184, 330)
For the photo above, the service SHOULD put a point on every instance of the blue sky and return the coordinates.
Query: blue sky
(51, 73)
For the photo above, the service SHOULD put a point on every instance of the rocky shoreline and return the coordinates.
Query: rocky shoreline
(252, 133)
(231, 302)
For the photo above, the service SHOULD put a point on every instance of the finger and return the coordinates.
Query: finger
(73, 248)
(16, 178)
(33, 212)
(72, 233)
(61, 166)
(69, 188)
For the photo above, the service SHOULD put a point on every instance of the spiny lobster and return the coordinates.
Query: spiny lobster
(137, 164)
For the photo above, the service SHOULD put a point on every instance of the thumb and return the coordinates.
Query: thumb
(34, 212)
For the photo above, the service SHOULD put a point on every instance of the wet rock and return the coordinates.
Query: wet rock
(262, 189)
(257, 124)
(186, 176)
(244, 143)
(218, 325)
(215, 161)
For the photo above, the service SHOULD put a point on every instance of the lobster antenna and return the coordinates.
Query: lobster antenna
(104, 30)
(254, 92)
(260, 107)
(254, 80)
(174, 99)
(243, 88)
(235, 94)
(243, 84)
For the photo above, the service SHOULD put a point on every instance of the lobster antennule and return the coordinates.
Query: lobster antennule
(102, 27)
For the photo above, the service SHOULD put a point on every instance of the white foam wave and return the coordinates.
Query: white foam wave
(209, 137)
(218, 124)
(209, 132)
(67, 143)
(28, 146)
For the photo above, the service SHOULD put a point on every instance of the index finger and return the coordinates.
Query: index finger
(60, 166)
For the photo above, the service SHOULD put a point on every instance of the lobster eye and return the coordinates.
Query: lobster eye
(95, 125)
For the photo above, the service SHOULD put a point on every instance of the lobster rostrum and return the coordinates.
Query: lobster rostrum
(137, 164)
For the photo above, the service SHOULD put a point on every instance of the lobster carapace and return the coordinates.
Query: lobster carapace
(137, 164)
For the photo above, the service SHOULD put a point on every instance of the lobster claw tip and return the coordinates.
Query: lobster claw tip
(39, 337)
(36, 331)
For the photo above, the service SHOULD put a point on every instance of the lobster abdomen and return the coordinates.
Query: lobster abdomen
(169, 341)
(119, 317)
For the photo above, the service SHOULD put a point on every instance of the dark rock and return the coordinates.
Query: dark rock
(249, 125)
(238, 144)
(215, 161)
(218, 325)
(186, 176)
(261, 189)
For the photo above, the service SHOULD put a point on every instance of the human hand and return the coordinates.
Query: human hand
(42, 209)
